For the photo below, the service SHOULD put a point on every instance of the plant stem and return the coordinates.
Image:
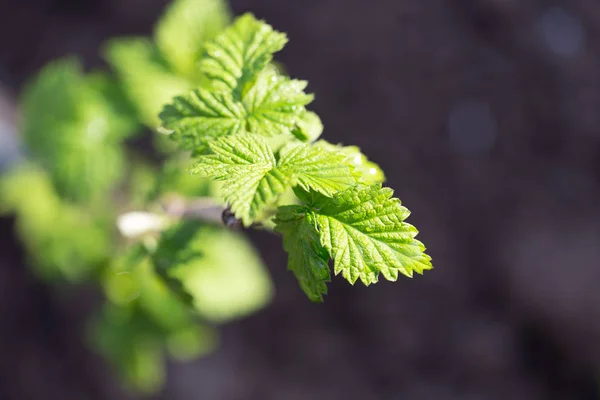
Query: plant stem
(200, 208)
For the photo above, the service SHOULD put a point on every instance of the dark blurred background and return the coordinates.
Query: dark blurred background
(485, 117)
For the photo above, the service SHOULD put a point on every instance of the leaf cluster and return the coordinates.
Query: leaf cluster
(82, 170)
(248, 127)
(235, 130)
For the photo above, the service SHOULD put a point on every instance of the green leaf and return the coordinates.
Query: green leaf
(307, 258)
(363, 230)
(254, 179)
(173, 178)
(63, 241)
(145, 76)
(143, 319)
(184, 28)
(248, 168)
(215, 268)
(368, 171)
(69, 128)
(235, 58)
(246, 93)
(308, 127)
(135, 354)
(271, 107)
(313, 168)
(202, 115)
(123, 120)
(309, 198)
(188, 343)
(275, 104)
(132, 281)
(123, 279)
(129, 342)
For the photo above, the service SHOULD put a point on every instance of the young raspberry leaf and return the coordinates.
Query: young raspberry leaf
(275, 103)
(185, 27)
(247, 167)
(235, 58)
(271, 107)
(201, 116)
(364, 232)
(314, 168)
(368, 171)
(254, 179)
(307, 258)
(308, 127)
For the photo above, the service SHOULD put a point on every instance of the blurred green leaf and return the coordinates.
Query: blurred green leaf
(174, 178)
(145, 76)
(141, 183)
(188, 343)
(130, 280)
(217, 269)
(69, 127)
(64, 241)
(123, 120)
(143, 320)
(184, 27)
(126, 339)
